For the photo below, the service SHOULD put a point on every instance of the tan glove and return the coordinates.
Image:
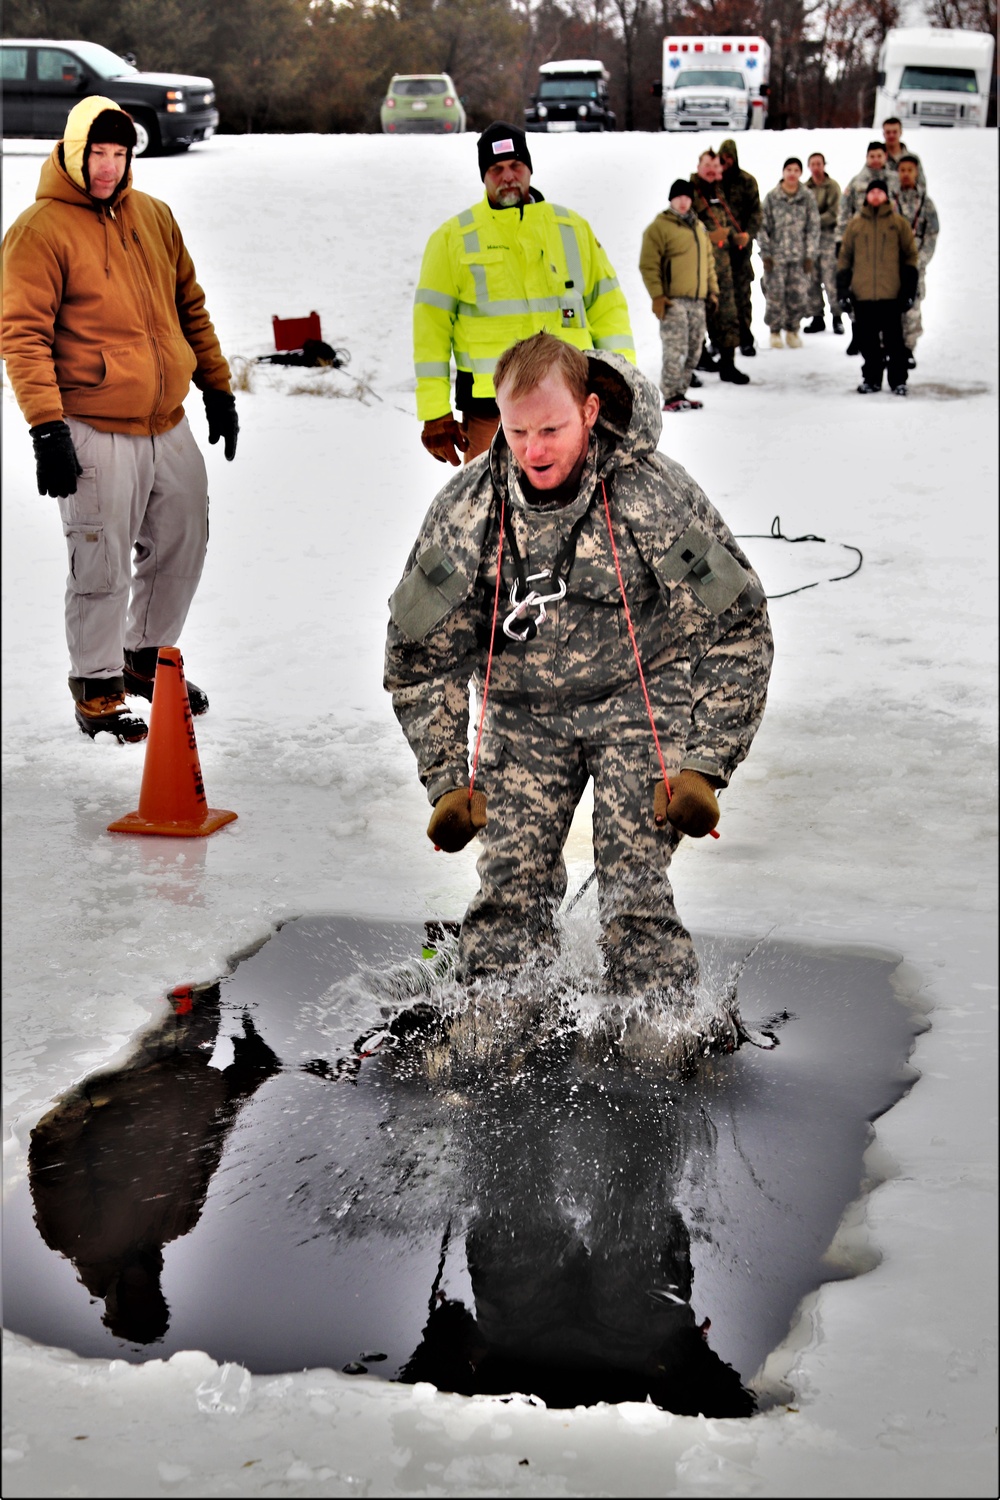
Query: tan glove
(456, 819)
(767, 263)
(693, 809)
(660, 306)
(441, 437)
(712, 302)
(742, 241)
(807, 264)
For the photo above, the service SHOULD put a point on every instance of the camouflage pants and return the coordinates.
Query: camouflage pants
(824, 277)
(682, 333)
(724, 323)
(786, 288)
(913, 325)
(743, 279)
(533, 769)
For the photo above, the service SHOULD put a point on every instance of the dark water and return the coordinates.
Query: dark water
(563, 1223)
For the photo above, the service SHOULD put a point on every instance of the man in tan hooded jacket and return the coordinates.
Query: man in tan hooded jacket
(104, 328)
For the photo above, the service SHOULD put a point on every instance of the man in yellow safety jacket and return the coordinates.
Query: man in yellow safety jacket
(510, 266)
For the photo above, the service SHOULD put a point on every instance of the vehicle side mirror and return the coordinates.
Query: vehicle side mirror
(656, 88)
(765, 90)
(880, 79)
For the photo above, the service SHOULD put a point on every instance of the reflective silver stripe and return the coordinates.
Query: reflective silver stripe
(482, 366)
(436, 299)
(509, 308)
(471, 242)
(465, 218)
(432, 368)
(620, 341)
(609, 285)
(574, 266)
(462, 360)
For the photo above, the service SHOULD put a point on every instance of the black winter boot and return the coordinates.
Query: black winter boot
(818, 325)
(706, 362)
(838, 323)
(728, 370)
(695, 383)
(140, 675)
(853, 347)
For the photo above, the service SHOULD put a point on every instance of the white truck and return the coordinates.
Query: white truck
(928, 76)
(715, 82)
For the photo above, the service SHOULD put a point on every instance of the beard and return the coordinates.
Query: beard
(510, 197)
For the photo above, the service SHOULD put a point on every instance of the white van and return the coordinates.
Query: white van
(932, 77)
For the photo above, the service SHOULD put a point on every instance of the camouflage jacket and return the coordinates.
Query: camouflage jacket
(712, 208)
(827, 196)
(697, 606)
(852, 199)
(919, 212)
(891, 173)
(789, 228)
(742, 192)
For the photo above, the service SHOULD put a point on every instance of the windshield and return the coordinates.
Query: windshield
(417, 88)
(106, 64)
(713, 78)
(947, 80)
(568, 88)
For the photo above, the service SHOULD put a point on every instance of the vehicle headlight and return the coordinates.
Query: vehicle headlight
(210, 97)
(542, 112)
(583, 111)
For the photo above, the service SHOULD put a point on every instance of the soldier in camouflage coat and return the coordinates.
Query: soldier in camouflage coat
(564, 704)
(826, 191)
(789, 249)
(911, 200)
(711, 208)
(743, 196)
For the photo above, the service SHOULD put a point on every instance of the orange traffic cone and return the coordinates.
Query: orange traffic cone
(172, 797)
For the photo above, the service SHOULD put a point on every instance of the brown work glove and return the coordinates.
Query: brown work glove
(807, 264)
(693, 809)
(767, 263)
(660, 306)
(455, 819)
(441, 437)
(742, 241)
(712, 302)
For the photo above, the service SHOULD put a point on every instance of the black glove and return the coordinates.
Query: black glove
(56, 463)
(220, 409)
(844, 295)
(908, 283)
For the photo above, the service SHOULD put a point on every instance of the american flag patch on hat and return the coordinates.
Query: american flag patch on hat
(503, 148)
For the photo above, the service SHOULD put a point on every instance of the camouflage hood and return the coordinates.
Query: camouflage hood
(728, 148)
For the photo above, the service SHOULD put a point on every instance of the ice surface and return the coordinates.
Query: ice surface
(864, 814)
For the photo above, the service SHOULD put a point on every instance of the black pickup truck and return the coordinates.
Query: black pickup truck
(42, 80)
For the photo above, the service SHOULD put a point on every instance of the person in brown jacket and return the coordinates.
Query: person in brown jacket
(877, 276)
(677, 265)
(105, 326)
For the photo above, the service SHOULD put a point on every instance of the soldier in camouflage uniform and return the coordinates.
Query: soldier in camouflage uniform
(911, 200)
(564, 703)
(789, 249)
(743, 196)
(714, 212)
(895, 149)
(826, 192)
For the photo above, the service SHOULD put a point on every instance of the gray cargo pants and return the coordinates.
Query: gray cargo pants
(137, 531)
(533, 769)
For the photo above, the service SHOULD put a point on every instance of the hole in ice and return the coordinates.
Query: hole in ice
(304, 1165)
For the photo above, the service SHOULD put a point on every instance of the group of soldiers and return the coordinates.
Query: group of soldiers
(800, 228)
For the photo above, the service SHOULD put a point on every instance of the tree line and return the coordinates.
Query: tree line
(324, 65)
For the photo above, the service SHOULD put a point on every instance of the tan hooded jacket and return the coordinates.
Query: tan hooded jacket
(103, 316)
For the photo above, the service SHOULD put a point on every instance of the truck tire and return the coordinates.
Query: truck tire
(147, 133)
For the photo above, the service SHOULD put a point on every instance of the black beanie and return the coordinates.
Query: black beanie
(877, 182)
(500, 142)
(112, 127)
(681, 189)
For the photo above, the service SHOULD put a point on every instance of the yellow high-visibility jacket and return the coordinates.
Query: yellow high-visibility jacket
(491, 276)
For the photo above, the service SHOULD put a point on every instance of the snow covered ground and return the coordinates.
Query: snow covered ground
(863, 817)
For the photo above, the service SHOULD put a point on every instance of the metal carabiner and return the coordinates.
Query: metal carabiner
(531, 600)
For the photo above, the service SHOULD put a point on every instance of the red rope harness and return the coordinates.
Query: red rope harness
(635, 648)
(489, 659)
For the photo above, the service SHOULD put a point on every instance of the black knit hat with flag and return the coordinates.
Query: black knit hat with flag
(501, 142)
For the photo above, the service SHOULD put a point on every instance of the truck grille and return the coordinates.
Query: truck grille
(939, 111)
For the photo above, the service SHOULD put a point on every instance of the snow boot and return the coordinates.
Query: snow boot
(100, 709)
(867, 389)
(681, 403)
(838, 323)
(776, 341)
(747, 346)
(140, 675)
(899, 390)
(728, 370)
(853, 347)
(706, 362)
(694, 383)
(911, 363)
(792, 338)
(818, 325)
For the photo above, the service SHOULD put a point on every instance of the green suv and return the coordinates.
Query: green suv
(422, 104)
